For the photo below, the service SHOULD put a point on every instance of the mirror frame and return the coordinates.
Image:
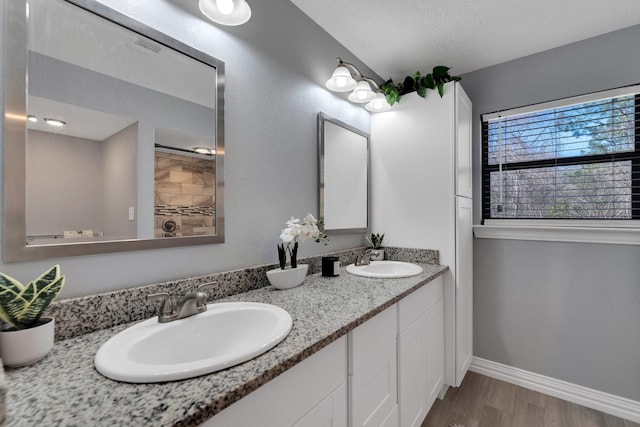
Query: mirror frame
(15, 137)
(322, 118)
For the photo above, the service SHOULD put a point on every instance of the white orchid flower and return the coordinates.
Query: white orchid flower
(296, 231)
(310, 219)
(287, 236)
(292, 222)
(308, 231)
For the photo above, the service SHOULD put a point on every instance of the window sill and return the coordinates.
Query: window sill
(560, 233)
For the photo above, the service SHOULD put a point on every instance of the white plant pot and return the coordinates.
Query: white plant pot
(26, 346)
(287, 278)
(380, 256)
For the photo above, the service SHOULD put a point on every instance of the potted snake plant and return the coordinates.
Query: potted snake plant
(26, 336)
(375, 241)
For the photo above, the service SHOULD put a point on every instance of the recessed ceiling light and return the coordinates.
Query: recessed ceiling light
(32, 118)
(204, 150)
(54, 122)
(226, 12)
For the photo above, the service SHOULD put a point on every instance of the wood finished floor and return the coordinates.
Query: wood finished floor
(486, 402)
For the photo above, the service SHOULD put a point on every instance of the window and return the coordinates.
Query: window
(576, 158)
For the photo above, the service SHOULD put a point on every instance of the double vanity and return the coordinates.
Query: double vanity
(354, 342)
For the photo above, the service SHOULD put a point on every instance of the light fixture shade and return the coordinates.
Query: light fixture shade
(222, 12)
(341, 80)
(362, 93)
(378, 104)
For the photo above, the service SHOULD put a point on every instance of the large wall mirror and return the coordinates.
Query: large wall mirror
(113, 134)
(344, 176)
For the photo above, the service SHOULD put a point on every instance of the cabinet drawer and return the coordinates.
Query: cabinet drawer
(368, 339)
(416, 304)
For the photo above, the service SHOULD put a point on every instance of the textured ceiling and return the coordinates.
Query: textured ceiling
(397, 38)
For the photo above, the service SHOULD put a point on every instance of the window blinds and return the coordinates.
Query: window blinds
(577, 158)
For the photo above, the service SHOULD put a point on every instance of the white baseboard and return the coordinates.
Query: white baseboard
(604, 402)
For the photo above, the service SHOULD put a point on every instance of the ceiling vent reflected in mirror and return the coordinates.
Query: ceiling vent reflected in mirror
(145, 46)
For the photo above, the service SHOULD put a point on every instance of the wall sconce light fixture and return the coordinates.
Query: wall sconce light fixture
(366, 91)
(226, 12)
(378, 104)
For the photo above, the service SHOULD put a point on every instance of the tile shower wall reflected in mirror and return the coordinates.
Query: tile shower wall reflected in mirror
(184, 193)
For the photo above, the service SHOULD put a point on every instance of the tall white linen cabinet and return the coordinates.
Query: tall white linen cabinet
(422, 198)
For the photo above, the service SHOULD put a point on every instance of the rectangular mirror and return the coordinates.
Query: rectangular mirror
(112, 129)
(344, 176)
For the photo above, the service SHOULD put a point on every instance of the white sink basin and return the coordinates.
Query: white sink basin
(225, 335)
(385, 269)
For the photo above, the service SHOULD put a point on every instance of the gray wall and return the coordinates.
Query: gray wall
(570, 311)
(276, 66)
(64, 82)
(64, 184)
(119, 160)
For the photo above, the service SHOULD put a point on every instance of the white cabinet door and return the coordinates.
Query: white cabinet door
(298, 393)
(392, 419)
(464, 287)
(331, 412)
(434, 320)
(373, 381)
(420, 352)
(463, 124)
(374, 390)
(412, 373)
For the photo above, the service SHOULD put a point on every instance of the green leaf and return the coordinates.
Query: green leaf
(428, 82)
(32, 311)
(392, 97)
(440, 71)
(422, 91)
(441, 89)
(391, 91)
(416, 76)
(11, 300)
(408, 85)
(41, 282)
(47, 277)
(388, 87)
(456, 78)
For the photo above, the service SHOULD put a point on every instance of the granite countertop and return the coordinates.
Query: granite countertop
(65, 389)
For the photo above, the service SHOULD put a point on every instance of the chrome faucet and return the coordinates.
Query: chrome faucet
(366, 258)
(193, 303)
